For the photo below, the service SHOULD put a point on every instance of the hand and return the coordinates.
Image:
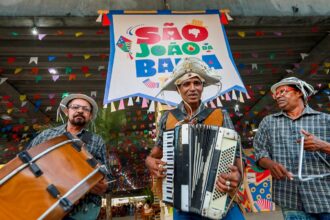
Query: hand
(100, 188)
(279, 172)
(229, 182)
(156, 167)
(311, 143)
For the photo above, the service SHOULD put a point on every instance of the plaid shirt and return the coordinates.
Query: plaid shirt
(227, 123)
(277, 139)
(96, 147)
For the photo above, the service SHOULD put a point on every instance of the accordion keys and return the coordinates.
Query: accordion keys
(196, 155)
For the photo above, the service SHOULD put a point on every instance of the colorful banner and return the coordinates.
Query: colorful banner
(144, 49)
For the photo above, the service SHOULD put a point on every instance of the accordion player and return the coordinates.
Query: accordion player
(195, 155)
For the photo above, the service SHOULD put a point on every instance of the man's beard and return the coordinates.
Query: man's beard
(78, 121)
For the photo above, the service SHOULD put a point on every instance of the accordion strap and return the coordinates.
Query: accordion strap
(208, 117)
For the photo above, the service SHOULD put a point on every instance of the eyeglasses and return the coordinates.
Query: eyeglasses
(77, 107)
(282, 92)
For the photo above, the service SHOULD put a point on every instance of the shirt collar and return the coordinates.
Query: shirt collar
(200, 108)
(307, 111)
(62, 129)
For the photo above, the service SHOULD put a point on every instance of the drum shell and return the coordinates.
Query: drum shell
(25, 196)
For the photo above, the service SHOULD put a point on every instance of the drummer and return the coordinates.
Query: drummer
(80, 109)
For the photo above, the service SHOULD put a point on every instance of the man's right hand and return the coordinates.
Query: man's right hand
(156, 166)
(277, 170)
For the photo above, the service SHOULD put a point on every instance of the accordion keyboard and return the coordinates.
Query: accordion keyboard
(168, 157)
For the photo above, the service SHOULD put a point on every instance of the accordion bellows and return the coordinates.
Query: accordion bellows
(195, 156)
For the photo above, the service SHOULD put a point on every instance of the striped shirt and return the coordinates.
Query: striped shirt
(95, 146)
(277, 139)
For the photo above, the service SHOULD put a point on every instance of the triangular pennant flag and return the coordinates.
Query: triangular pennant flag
(87, 56)
(78, 34)
(227, 96)
(152, 107)
(254, 66)
(160, 107)
(223, 19)
(18, 70)
(105, 20)
(144, 103)
(219, 103)
(51, 95)
(87, 75)
(41, 36)
(38, 78)
(247, 95)
(241, 99)
(212, 104)
(105, 106)
(55, 77)
(241, 33)
(52, 70)
(137, 99)
(72, 76)
(121, 105)
(68, 70)
(35, 70)
(93, 94)
(229, 18)
(33, 60)
(233, 95)
(51, 58)
(113, 108)
(48, 108)
(99, 18)
(130, 101)
(23, 103)
(303, 55)
(22, 98)
(2, 80)
(222, 97)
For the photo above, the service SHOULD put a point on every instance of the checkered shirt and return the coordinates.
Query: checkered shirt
(277, 139)
(96, 147)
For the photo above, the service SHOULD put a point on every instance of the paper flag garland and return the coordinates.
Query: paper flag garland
(121, 105)
(33, 60)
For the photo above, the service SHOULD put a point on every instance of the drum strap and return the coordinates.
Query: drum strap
(86, 137)
(208, 117)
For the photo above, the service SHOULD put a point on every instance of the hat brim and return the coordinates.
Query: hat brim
(209, 80)
(276, 85)
(67, 99)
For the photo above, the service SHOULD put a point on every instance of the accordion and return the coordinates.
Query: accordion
(195, 155)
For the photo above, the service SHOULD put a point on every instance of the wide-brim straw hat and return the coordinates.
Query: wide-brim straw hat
(303, 86)
(191, 65)
(67, 99)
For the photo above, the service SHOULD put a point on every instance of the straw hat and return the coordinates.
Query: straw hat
(194, 67)
(306, 89)
(67, 99)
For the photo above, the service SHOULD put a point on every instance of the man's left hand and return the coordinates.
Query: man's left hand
(311, 143)
(100, 188)
(229, 182)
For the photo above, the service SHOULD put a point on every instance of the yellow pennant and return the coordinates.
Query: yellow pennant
(241, 33)
(22, 98)
(18, 70)
(78, 34)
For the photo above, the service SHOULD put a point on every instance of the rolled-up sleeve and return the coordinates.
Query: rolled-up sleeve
(261, 140)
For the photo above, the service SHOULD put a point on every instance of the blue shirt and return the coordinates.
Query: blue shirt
(277, 139)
